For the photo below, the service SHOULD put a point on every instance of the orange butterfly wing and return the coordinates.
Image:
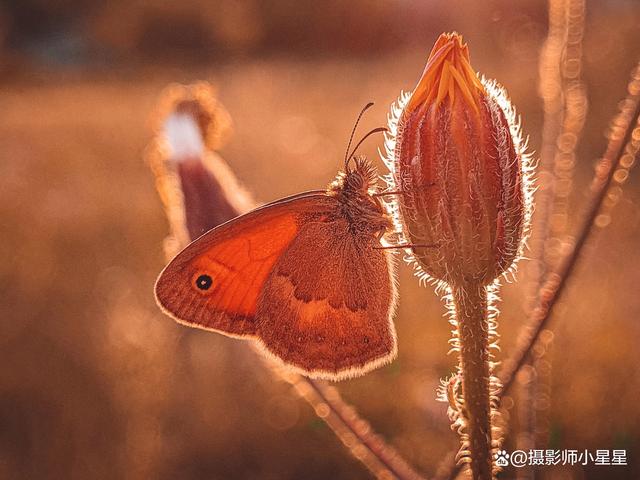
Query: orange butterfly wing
(237, 257)
(292, 276)
(328, 303)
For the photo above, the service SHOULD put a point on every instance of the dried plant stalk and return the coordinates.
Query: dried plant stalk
(199, 192)
(622, 149)
(354, 432)
(564, 99)
(574, 109)
(550, 89)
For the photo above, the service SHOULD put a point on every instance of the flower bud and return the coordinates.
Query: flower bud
(461, 171)
(190, 124)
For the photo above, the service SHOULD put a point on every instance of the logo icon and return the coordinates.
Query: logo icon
(502, 458)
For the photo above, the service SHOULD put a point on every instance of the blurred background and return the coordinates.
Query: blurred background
(96, 383)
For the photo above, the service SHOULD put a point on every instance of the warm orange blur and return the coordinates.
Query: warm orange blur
(96, 383)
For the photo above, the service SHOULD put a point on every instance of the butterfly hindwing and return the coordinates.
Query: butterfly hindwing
(326, 307)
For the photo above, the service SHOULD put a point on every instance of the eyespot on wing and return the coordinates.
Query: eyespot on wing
(215, 282)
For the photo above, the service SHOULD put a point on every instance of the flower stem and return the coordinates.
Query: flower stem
(470, 301)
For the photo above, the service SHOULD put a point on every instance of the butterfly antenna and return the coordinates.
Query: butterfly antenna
(353, 132)
(375, 130)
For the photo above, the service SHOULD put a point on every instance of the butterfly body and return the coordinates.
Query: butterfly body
(303, 276)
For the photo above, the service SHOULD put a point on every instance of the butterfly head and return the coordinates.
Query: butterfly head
(357, 180)
(354, 189)
(362, 177)
(355, 186)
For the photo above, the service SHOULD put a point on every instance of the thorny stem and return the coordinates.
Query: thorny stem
(470, 303)
(624, 125)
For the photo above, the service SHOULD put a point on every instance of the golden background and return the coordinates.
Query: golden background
(96, 383)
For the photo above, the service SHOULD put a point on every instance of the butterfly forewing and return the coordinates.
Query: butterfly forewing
(214, 283)
(326, 307)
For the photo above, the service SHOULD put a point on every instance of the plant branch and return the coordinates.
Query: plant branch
(564, 97)
(358, 429)
(552, 289)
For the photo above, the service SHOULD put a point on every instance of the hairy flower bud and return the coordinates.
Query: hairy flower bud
(460, 169)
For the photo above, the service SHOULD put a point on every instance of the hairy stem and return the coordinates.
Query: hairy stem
(470, 302)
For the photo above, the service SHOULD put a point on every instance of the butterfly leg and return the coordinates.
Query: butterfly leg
(399, 192)
(406, 245)
(391, 192)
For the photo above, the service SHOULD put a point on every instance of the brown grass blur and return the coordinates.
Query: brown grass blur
(96, 383)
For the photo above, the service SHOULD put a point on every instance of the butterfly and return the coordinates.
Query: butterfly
(306, 277)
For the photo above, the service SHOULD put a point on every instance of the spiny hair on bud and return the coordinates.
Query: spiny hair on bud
(527, 166)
